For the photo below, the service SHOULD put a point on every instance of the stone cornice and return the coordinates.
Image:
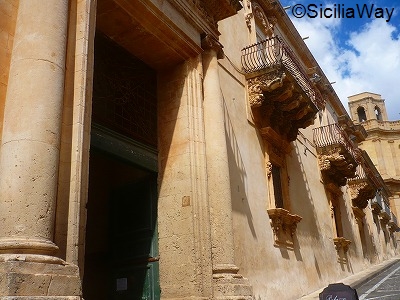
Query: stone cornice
(205, 14)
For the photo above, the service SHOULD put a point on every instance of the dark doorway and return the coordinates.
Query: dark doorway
(121, 260)
(121, 253)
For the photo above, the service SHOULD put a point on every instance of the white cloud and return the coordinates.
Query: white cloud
(370, 60)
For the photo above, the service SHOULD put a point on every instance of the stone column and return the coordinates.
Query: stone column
(227, 281)
(31, 131)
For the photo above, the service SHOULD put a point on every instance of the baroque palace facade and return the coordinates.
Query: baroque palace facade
(178, 149)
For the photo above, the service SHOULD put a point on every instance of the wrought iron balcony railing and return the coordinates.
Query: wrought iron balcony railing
(364, 170)
(376, 203)
(331, 135)
(386, 209)
(272, 53)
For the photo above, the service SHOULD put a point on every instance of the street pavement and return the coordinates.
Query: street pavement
(381, 281)
(385, 286)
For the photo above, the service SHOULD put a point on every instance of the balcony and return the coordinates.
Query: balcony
(393, 225)
(365, 184)
(386, 214)
(336, 154)
(376, 204)
(281, 94)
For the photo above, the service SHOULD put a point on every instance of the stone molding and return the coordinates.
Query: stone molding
(206, 13)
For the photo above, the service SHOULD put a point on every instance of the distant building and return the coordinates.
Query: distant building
(383, 140)
(178, 150)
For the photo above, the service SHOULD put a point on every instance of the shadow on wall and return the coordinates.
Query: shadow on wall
(237, 173)
(301, 197)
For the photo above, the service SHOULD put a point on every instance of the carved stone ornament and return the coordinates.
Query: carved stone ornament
(283, 225)
(268, 167)
(361, 192)
(336, 166)
(248, 18)
(341, 243)
(257, 86)
(376, 208)
(209, 42)
(262, 19)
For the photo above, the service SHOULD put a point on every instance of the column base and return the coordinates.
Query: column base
(229, 285)
(38, 277)
(41, 298)
(27, 245)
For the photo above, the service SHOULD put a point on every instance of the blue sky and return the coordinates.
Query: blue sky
(359, 54)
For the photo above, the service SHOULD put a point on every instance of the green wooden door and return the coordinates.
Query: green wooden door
(134, 251)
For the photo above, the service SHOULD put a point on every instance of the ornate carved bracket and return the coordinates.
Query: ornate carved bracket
(209, 42)
(259, 85)
(283, 225)
(341, 243)
(376, 208)
(360, 192)
(267, 23)
(336, 164)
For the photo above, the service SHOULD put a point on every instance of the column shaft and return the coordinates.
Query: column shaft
(219, 188)
(31, 131)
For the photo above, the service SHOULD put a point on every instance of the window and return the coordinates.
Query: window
(283, 222)
(277, 184)
(361, 114)
(378, 113)
(341, 244)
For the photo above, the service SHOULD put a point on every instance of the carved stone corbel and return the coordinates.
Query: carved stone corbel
(341, 243)
(361, 192)
(335, 166)
(257, 86)
(283, 225)
(209, 42)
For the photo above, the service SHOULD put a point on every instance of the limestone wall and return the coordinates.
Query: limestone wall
(279, 272)
(8, 15)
